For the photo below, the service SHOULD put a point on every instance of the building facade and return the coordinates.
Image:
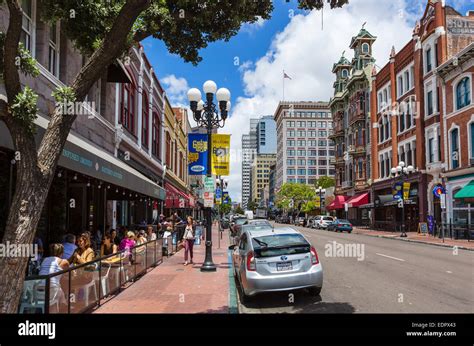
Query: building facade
(261, 175)
(408, 124)
(350, 108)
(304, 151)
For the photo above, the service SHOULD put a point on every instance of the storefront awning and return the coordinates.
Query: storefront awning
(358, 200)
(175, 198)
(338, 203)
(82, 156)
(467, 191)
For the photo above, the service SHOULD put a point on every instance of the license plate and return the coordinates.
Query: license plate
(284, 266)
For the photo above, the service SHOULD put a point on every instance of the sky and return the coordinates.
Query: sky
(303, 43)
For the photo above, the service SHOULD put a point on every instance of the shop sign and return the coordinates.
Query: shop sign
(209, 184)
(438, 190)
(208, 199)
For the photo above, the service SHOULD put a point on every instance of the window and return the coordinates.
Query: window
(290, 143)
(290, 152)
(312, 143)
(301, 143)
(428, 65)
(301, 123)
(27, 25)
(454, 148)
(365, 48)
(128, 107)
(301, 162)
(429, 102)
(290, 124)
(301, 171)
(345, 73)
(471, 132)
(145, 119)
(322, 142)
(301, 133)
(290, 133)
(431, 150)
(322, 152)
(301, 152)
(312, 171)
(53, 50)
(312, 153)
(323, 162)
(290, 171)
(168, 151)
(290, 162)
(312, 162)
(463, 93)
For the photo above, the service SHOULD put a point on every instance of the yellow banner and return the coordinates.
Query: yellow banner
(220, 154)
(406, 190)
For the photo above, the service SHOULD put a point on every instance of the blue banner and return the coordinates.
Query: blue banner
(197, 154)
(225, 196)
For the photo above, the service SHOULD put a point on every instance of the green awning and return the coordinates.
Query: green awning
(467, 191)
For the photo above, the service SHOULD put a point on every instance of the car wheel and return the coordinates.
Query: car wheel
(315, 291)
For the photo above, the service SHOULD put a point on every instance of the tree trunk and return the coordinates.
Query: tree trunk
(36, 168)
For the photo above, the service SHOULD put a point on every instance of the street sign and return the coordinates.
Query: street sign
(442, 200)
(346, 207)
(208, 199)
(209, 184)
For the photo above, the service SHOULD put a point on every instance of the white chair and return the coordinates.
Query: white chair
(87, 288)
(39, 296)
(104, 280)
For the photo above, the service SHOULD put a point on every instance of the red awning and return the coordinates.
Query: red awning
(175, 198)
(358, 200)
(338, 203)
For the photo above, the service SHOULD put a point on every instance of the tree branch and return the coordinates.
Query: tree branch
(114, 42)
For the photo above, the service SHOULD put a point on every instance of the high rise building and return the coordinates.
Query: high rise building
(261, 176)
(266, 135)
(246, 169)
(304, 150)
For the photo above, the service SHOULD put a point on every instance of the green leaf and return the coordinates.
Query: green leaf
(25, 108)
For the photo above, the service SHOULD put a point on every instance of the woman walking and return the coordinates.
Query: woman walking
(188, 239)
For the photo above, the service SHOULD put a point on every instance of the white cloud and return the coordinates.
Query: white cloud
(251, 28)
(176, 88)
(307, 54)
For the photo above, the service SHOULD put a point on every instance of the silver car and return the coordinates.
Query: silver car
(277, 259)
(322, 222)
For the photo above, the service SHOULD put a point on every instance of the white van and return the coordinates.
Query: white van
(249, 214)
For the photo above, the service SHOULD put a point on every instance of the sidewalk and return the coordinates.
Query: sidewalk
(418, 238)
(172, 287)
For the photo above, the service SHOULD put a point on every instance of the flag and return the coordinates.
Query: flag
(286, 76)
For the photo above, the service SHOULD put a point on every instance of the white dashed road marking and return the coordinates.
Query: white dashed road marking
(394, 258)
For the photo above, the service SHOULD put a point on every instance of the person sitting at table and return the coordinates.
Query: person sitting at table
(53, 264)
(150, 234)
(128, 242)
(107, 247)
(84, 253)
(114, 237)
(141, 239)
(70, 246)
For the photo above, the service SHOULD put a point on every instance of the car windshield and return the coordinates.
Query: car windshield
(327, 218)
(279, 244)
(240, 221)
(343, 221)
(259, 227)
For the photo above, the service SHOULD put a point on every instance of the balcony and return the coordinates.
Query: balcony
(357, 150)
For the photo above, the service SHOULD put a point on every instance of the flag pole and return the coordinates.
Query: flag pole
(283, 86)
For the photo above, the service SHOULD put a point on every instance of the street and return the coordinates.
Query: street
(392, 277)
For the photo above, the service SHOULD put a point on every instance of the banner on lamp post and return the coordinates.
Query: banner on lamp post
(197, 154)
(220, 154)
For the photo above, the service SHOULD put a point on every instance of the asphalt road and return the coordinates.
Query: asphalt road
(392, 276)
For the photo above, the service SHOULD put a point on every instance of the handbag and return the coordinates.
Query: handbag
(189, 234)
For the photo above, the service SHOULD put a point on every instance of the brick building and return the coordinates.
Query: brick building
(407, 121)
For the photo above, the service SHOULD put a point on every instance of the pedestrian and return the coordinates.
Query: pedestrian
(69, 246)
(188, 239)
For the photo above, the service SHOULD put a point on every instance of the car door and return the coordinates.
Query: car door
(239, 253)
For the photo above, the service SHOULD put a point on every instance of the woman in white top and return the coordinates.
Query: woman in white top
(188, 239)
(53, 264)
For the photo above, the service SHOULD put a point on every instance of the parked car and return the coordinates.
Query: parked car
(340, 225)
(322, 222)
(279, 259)
(258, 222)
(236, 226)
(299, 221)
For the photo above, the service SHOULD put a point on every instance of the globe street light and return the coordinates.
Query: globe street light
(206, 114)
(403, 172)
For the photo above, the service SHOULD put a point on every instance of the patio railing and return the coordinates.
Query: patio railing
(82, 287)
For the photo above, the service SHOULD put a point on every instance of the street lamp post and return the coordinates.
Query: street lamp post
(320, 192)
(206, 115)
(402, 172)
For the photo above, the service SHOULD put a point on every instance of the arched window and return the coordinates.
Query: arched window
(463, 93)
(345, 73)
(365, 48)
(362, 103)
(145, 118)
(381, 132)
(387, 127)
(401, 118)
(127, 118)
(156, 136)
(168, 150)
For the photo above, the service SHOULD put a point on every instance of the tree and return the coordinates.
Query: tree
(252, 205)
(103, 31)
(325, 182)
(239, 210)
(299, 195)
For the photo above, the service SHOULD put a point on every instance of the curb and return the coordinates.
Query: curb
(233, 298)
(417, 241)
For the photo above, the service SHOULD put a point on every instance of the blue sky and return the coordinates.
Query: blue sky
(293, 41)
